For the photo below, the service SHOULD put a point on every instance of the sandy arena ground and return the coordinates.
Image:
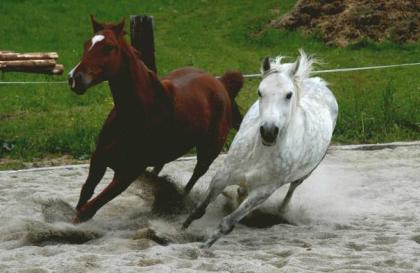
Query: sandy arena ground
(358, 212)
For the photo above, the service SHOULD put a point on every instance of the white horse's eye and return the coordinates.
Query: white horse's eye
(289, 95)
(259, 93)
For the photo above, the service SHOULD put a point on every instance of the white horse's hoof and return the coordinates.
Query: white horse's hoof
(204, 246)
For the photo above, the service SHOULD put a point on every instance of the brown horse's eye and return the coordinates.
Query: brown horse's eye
(107, 48)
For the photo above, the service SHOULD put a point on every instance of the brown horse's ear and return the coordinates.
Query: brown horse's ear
(119, 28)
(96, 25)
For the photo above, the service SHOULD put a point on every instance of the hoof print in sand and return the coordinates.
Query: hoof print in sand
(262, 219)
(57, 228)
(56, 210)
(40, 233)
(167, 236)
(150, 234)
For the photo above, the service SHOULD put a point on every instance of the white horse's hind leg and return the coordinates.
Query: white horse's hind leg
(255, 198)
(200, 210)
(216, 187)
(242, 192)
(289, 194)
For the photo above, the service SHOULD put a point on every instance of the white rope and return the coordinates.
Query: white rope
(259, 75)
(345, 69)
(45, 82)
(363, 68)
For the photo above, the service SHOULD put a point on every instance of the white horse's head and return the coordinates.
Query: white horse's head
(279, 94)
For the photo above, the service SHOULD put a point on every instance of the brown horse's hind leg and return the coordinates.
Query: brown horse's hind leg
(205, 156)
(96, 171)
(155, 171)
(210, 146)
(200, 169)
(118, 185)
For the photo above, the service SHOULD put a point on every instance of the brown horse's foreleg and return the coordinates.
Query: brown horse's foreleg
(96, 172)
(117, 186)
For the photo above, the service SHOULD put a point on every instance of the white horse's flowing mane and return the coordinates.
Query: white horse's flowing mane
(298, 71)
(301, 69)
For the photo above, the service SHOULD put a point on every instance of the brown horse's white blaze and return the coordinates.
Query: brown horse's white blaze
(80, 76)
(154, 121)
(96, 39)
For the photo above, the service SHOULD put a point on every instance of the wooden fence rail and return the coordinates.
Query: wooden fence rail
(142, 38)
(35, 62)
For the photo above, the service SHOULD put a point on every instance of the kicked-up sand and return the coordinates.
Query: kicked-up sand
(358, 212)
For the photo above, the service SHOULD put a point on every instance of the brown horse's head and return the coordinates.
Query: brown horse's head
(101, 59)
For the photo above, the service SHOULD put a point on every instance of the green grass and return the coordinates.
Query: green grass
(39, 120)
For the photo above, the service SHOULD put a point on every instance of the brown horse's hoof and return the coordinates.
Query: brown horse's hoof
(79, 206)
(76, 220)
(150, 174)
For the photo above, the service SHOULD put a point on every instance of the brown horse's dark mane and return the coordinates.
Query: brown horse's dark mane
(147, 85)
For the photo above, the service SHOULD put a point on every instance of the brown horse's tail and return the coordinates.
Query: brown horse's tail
(233, 82)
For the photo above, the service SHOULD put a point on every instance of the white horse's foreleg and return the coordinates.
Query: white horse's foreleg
(216, 187)
(286, 200)
(255, 198)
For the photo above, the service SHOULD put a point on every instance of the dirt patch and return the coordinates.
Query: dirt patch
(344, 22)
(7, 163)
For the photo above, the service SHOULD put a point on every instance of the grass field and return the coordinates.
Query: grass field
(43, 120)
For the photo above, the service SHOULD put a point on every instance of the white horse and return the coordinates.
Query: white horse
(282, 139)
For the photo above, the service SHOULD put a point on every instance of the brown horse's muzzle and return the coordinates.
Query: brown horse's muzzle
(78, 83)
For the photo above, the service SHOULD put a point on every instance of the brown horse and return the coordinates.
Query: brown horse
(153, 121)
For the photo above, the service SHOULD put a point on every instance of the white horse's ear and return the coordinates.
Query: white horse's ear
(302, 68)
(265, 65)
(295, 67)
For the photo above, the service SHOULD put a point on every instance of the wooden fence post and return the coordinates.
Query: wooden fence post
(142, 38)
